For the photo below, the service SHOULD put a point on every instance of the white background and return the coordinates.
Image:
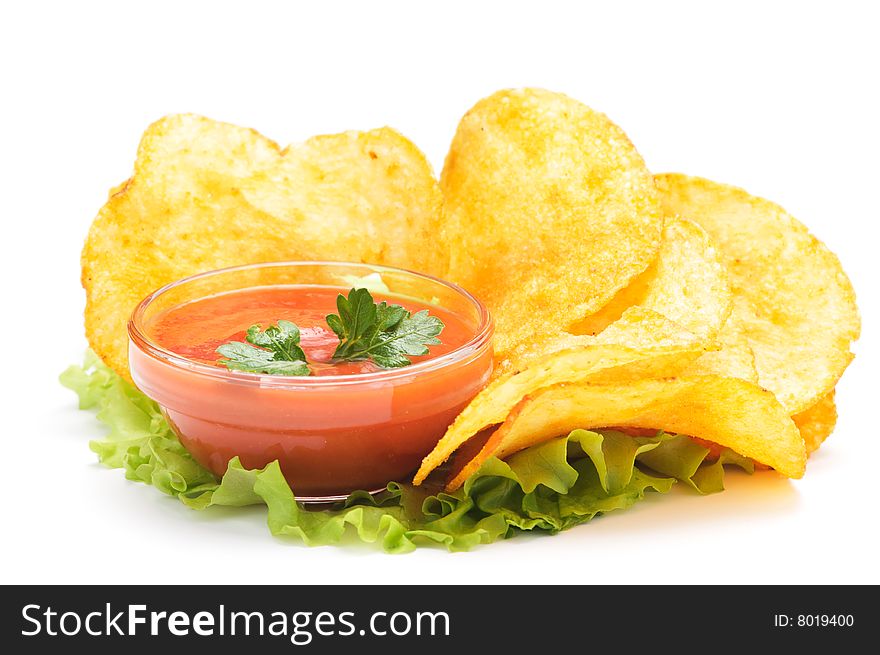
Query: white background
(779, 98)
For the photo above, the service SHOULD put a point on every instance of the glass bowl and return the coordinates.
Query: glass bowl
(333, 434)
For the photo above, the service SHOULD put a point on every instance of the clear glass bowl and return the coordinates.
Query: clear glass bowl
(332, 434)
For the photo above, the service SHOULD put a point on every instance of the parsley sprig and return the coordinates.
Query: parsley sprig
(279, 352)
(386, 334)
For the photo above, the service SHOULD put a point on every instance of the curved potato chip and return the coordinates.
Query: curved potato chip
(816, 423)
(370, 197)
(207, 195)
(735, 361)
(726, 411)
(791, 296)
(549, 211)
(638, 329)
(684, 295)
(596, 362)
(687, 284)
(734, 358)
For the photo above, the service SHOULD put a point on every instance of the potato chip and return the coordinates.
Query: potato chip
(816, 423)
(687, 284)
(683, 295)
(637, 329)
(207, 195)
(644, 328)
(549, 212)
(735, 361)
(357, 196)
(733, 358)
(791, 297)
(632, 295)
(726, 411)
(596, 362)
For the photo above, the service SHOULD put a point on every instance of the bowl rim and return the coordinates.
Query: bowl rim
(139, 338)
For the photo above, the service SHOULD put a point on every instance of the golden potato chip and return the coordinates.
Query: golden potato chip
(791, 297)
(816, 423)
(735, 361)
(370, 197)
(726, 411)
(733, 358)
(207, 195)
(632, 295)
(683, 296)
(687, 284)
(549, 212)
(596, 362)
(637, 329)
(640, 327)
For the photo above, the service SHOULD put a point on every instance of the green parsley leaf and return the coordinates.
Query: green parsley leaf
(386, 334)
(279, 352)
(281, 339)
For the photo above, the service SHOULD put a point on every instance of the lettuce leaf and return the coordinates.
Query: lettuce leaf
(549, 487)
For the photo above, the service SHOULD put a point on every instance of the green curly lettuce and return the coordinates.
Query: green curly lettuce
(549, 487)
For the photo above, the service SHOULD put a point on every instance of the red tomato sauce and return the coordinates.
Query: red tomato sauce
(195, 329)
